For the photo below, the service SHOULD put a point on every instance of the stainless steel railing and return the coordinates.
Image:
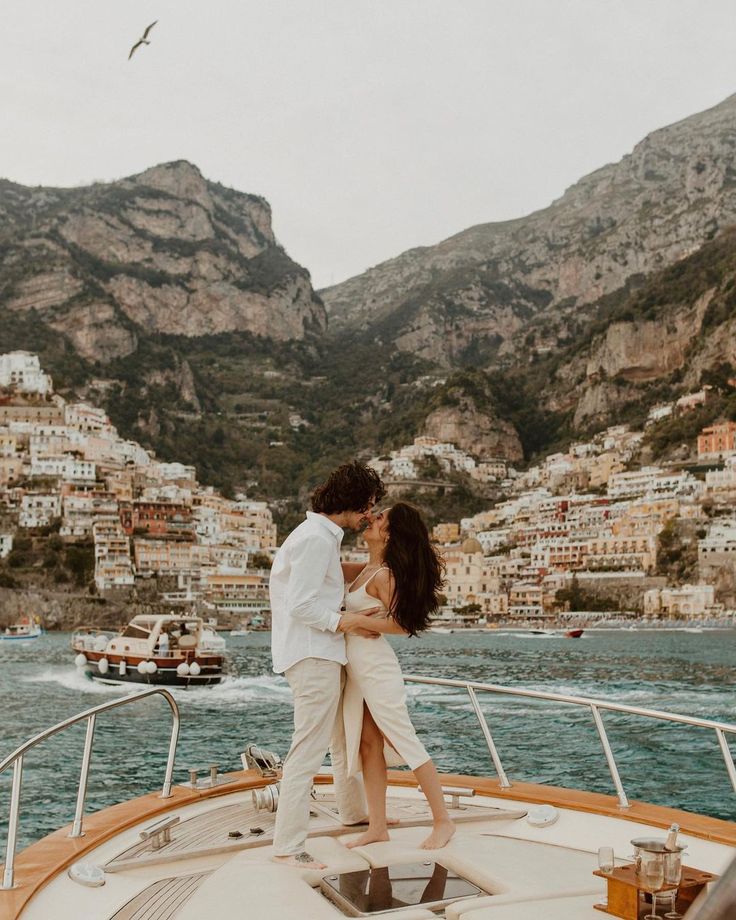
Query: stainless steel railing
(721, 729)
(16, 761)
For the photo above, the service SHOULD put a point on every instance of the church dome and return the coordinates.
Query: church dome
(471, 546)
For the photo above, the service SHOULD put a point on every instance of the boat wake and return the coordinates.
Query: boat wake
(240, 691)
(73, 679)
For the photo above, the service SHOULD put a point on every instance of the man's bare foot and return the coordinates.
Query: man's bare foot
(369, 837)
(299, 861)
(441, 835)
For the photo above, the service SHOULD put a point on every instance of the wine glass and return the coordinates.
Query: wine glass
(672, 876)
(654, 878)
(605, 860)
(605, 864)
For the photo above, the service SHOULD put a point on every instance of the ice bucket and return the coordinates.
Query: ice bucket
(652, 859)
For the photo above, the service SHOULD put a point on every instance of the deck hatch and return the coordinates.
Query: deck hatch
(372, 892)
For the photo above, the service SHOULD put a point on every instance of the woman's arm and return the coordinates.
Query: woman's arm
(382, 588)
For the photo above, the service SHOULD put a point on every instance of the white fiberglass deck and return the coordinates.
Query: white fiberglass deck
(523, 871)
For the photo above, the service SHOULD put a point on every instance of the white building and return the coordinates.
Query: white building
(719, 544)
(86, 418)
(492, 539)
(652, 481)
(38, 509)
(174, 472)
(81, 510)
(6, 544)
(660, 411)
(64, 467)
(22, 371)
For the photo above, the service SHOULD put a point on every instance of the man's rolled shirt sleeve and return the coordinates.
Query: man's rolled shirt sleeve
(309, 563)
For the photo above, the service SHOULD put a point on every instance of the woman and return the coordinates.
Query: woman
(402, 578)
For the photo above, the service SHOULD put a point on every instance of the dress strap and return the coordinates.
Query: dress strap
(369, 579)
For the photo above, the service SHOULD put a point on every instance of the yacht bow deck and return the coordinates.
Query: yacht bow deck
(199, 874)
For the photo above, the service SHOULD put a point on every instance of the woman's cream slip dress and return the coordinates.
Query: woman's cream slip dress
(374, 677)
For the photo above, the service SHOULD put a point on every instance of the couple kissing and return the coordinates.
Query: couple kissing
(329, 623)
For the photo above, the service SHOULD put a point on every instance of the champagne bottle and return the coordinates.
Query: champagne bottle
(671, 842)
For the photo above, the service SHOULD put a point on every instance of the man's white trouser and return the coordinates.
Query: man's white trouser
(316, 685)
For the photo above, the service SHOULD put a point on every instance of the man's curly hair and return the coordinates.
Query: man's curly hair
(351, 487)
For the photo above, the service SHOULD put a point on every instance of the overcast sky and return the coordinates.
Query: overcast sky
(370, 125)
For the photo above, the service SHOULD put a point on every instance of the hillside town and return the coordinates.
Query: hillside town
(586, 535)
(66, 474)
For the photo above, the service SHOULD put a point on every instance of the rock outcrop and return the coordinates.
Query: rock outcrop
(166, 251)
(680, 325)
(483, 435)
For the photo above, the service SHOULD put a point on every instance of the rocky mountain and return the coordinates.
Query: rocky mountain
(166, 298)
(163, 252)
(494, 290)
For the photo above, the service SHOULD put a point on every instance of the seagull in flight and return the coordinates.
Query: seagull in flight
(143, 40)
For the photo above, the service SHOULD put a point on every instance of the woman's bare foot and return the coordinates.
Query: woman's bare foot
(299, 861)
(369, 837)
(441, 835)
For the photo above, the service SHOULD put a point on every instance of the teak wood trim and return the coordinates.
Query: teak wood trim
(702, 826)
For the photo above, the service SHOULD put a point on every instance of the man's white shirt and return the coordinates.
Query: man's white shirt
(307, 591)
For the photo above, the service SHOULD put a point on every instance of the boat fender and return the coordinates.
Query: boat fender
(183, 669)
(103, 665)
(81, 660)
(121, 668)
(142, 667)
(542, 815)
(152, 667)
(194, 669)
(87, 874)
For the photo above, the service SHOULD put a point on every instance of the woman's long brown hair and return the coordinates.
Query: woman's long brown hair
(415, 566)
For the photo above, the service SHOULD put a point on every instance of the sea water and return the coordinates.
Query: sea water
(689, 673)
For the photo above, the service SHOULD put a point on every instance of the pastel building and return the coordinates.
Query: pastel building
(717, 441)
(684, 602)
(113, 565)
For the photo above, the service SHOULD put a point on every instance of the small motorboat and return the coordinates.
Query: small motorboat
(573, 633)
(170, 650)
(240, 630)
(27, 627)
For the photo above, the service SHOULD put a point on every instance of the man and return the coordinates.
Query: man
(308, 647)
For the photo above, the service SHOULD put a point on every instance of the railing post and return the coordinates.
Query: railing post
(76, 830)
(727, 756)
(166, 791)
(501, 773)
(623, 801)
(9, 873)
